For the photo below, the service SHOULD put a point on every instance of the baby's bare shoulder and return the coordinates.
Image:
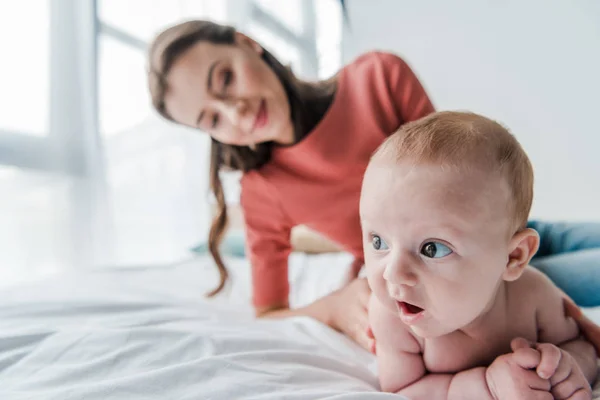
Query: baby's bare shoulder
(532, 285)
(535, 292)
(531, 293)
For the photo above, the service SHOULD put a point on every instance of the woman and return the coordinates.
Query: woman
(303, 148)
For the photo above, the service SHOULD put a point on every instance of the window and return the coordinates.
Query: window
(156, 171)
(35, 223)
(25, 42)
(286, 54)
(142, 19)
(329, 37)
(289, 13)
(303, 33)
(124, 99)
(287, 29)
(42, 137)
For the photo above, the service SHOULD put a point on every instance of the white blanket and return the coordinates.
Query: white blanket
(149, 334)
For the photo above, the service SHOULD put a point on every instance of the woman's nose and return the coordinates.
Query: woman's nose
(236, 110)
(401, 270)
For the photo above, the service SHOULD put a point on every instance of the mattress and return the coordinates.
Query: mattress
(149, 333)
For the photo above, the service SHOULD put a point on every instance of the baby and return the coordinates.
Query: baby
(456, 312)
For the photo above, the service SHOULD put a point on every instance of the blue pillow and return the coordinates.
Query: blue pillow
(233, 245)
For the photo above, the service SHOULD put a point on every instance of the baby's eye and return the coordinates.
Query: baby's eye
(435, 250)
(378, 243)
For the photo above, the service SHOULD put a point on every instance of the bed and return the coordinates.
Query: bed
(148, 333)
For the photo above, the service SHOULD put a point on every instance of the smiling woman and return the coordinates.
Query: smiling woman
(229, 86)
(230, 93)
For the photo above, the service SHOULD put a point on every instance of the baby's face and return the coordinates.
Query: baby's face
(436, 242)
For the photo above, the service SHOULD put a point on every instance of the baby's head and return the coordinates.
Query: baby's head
(444, 208)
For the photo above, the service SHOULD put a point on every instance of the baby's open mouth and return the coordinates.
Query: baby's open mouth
(409, 309)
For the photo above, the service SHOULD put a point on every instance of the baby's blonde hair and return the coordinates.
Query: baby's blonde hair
(461, 139)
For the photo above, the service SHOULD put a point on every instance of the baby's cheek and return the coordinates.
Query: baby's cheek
(371, 267)
(375, 277)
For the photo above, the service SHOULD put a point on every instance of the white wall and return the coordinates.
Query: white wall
(533, 65)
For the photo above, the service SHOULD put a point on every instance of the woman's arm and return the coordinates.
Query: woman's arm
(267, 231)
(317, 310)
(344, 310)
(590, 330)
(269, 246)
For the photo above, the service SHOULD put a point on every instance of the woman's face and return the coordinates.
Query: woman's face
(229, 92)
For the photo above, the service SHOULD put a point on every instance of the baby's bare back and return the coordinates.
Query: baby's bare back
(516, 317)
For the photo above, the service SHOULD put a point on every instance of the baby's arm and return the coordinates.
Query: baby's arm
(401, 366)
(556, 328)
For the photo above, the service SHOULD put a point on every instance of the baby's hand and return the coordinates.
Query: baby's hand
(511, 376)
(565, 375)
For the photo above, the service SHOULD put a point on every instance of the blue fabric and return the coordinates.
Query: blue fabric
(569, 254)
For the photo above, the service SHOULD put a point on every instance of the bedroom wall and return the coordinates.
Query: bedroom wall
(533, 65)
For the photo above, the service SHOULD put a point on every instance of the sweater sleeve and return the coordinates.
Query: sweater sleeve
(268, 241)
(412, 102)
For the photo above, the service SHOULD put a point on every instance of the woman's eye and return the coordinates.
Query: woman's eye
(378, 243)
(227, 78)
(215, 121)
(435, 250)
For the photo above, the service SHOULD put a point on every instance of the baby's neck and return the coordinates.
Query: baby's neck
(495, 310)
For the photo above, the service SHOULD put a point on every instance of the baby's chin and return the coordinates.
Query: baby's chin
(431, 331)
(431, 327)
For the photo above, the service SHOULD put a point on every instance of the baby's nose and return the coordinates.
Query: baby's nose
(399, 292)
(400, 271)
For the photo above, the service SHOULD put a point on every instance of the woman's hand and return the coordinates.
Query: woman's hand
(353, 271)
(344, 310)
(590, 330)
(348, 311)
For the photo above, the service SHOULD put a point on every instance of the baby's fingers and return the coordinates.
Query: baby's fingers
(533, 381)
(581, 394)
(541, 395)
(527, 358)
(562, 372)
(551, 356)
(572, 389)
(519, 343)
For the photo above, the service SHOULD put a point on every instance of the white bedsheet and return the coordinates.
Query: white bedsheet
(149, 334)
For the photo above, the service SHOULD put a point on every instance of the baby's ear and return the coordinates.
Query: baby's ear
(522, 247)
